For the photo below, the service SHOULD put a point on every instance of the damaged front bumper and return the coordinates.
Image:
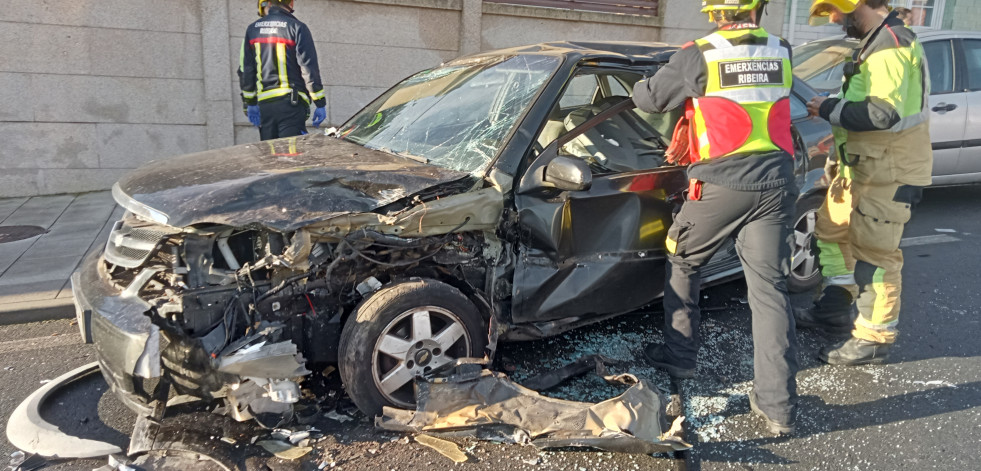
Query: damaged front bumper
(127, 344)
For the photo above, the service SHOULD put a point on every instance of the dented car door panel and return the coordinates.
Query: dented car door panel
(595, 252)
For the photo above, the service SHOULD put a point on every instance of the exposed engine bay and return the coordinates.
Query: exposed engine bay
(242, 312)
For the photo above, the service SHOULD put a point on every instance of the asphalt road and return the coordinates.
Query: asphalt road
(922, 410)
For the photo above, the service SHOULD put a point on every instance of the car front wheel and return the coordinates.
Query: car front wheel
(805, 272)
(403, 331)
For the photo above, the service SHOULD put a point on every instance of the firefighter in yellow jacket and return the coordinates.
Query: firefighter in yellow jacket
(881, 129)
(735, 86)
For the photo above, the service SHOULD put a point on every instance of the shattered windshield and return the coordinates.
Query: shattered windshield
(455, 116)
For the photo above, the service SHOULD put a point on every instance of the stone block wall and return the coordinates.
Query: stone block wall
(94, 89)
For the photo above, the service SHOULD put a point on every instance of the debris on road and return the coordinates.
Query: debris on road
(333, 415)
(284, 450)
(491, 405)
(550, 379)
(625, 379)
(444, 447)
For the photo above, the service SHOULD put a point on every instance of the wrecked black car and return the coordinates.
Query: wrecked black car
(495, 197)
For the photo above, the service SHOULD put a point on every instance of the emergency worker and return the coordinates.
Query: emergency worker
(735, 86)
(882, 136)
(279, 74)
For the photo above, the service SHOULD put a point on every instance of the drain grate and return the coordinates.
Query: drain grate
(15, 233)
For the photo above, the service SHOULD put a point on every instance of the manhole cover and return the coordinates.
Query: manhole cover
(14, 233)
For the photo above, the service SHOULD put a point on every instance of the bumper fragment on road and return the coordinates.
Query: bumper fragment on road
(28, 431)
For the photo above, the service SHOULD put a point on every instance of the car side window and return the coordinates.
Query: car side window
(580, 92)
(972, 54)
(621, 143)
(940, 60)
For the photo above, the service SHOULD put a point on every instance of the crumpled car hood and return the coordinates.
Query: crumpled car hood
(283, 184)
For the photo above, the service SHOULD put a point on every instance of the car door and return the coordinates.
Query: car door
(948, 108)
(600, 250)
(969, 161)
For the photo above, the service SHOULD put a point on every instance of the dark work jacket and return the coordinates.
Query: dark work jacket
(685, 76)
(283, 48)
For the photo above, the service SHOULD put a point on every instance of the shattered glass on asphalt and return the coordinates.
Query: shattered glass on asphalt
(455, 116)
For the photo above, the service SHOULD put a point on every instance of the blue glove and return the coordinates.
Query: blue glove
(253, 113)
(319, 115)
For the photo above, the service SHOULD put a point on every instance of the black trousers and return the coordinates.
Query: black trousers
(760, 221)
(280, 118)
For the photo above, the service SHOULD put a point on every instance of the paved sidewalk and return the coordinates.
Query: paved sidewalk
(35, 272)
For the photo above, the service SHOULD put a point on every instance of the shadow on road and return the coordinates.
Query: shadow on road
(836, 418)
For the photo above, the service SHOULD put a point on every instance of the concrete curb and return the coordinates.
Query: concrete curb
(36, 311)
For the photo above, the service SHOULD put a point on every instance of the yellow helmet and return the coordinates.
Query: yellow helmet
(821, 9)
(265, 3)
(734, 5)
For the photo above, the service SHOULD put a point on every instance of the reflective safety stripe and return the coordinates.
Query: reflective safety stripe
(281, 64)
(833, 261)
(241, 57)
(840, 280)
(258, 69)
(750, 95)
(318, 96)
(703, 140)
(671, 245)
(277, 92)
(912, 120)
(718, 41)
(248, 95)
(747, 52)
(888, 326)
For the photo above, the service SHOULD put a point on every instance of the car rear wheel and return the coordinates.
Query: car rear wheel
(403, 331)
(805, 272)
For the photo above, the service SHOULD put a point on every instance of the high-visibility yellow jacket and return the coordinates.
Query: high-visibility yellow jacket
(883, 108)
(277, 57)
(746, 105)
(757, 153)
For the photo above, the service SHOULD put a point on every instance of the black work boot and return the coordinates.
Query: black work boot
(832, 313)
(776, 428)
(855, 351)
(654, 353)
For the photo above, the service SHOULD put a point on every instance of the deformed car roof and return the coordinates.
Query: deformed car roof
(626, 51)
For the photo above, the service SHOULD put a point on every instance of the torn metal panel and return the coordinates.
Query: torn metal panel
(634, 422)
(264, 360)
(474, 211)
(284, 184)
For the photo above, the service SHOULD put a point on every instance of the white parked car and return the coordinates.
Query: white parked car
(954, 59)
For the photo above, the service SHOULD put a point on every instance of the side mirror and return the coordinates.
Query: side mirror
(568, 174)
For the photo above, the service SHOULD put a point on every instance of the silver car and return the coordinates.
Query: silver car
(954, 59)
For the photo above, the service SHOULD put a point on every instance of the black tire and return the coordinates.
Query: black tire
(386, 321)
(805, 271)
